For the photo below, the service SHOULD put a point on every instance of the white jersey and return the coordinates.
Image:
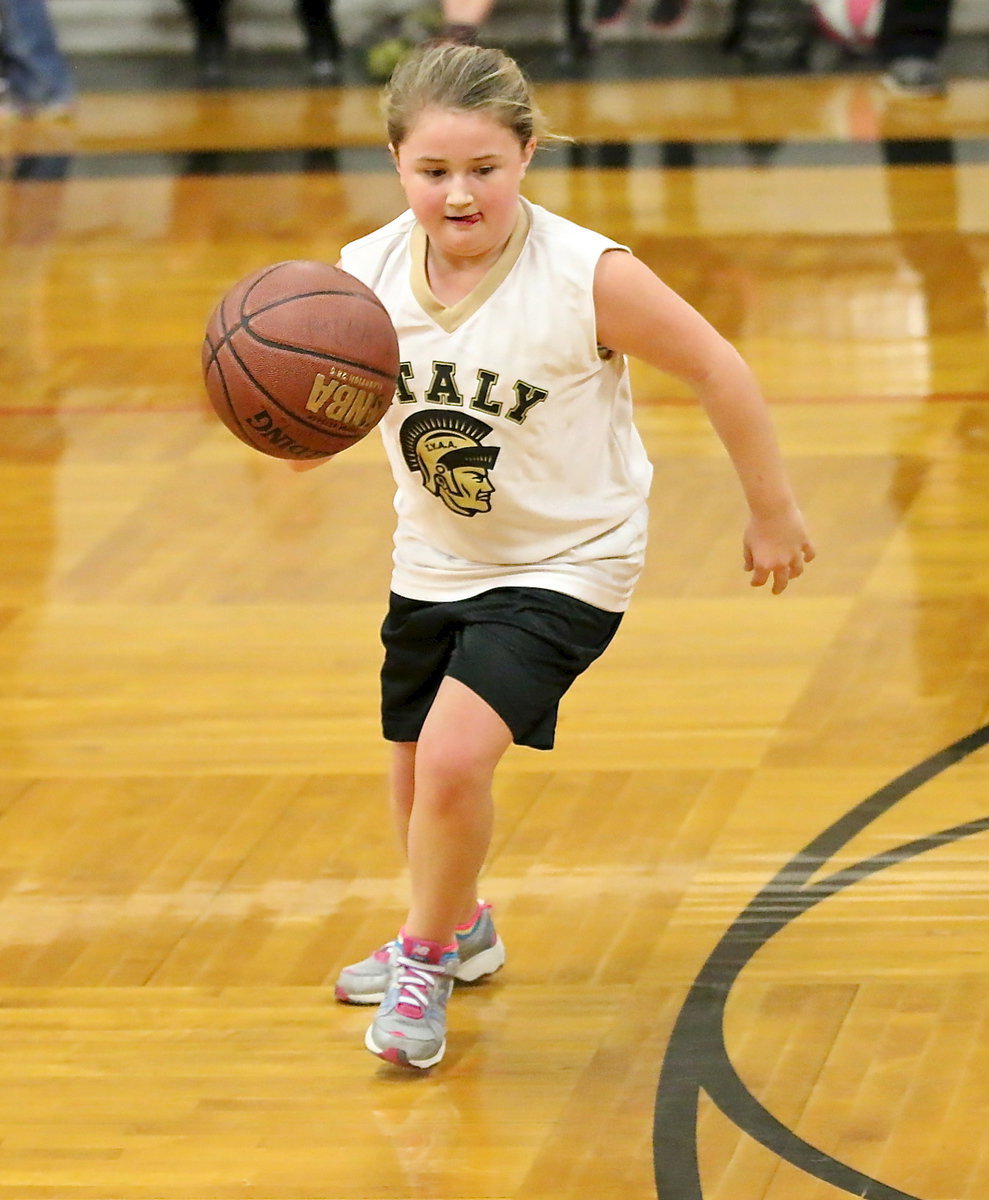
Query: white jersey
(511, 438)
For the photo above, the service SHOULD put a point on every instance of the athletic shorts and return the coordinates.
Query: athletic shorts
(518, 648)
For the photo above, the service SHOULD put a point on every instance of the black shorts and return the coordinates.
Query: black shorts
(517, 648)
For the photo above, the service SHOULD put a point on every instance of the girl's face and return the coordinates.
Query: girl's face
(461, 173)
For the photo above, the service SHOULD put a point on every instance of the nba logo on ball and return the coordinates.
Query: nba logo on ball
(853, 23)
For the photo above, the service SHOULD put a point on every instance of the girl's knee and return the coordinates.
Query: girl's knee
(447, 766)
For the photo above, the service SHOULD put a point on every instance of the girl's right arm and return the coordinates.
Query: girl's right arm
(637, 314)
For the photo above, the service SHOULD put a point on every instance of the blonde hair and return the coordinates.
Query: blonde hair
(461, 78)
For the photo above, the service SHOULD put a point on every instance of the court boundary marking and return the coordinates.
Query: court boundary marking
(697, 1060)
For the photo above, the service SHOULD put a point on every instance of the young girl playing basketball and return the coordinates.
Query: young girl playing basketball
(521, 492)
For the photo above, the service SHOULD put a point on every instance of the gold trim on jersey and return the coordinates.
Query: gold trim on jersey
(452, 317)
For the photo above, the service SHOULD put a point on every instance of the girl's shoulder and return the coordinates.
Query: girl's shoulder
(563, 254)
(560, 234)
(373, 246)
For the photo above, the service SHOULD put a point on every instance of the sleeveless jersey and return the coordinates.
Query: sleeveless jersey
(510, 438)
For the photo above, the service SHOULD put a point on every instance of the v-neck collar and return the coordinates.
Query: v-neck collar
(450, 318)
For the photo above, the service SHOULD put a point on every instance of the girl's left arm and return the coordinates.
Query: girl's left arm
(638, 315)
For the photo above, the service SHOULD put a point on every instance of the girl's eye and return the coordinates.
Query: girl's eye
(486, 170)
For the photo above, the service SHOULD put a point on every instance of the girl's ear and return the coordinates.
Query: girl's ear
(394, 154)
(528, 150)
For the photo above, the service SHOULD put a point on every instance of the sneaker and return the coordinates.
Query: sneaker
(409, 1029)
(915, 77)
(480, 952)
(212, 53)
(323, 69)
(366, 982)
(321, 52)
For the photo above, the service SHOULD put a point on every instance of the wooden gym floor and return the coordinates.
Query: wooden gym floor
(754, 871)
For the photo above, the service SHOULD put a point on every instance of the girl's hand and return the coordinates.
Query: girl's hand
(777, 546)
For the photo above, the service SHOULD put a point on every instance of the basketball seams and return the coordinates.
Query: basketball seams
(244, 326)
(321, 355)
(364, 294)
(234, 423)
(246, 317)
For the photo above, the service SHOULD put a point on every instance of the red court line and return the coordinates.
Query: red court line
(96, 410)
(92, 410)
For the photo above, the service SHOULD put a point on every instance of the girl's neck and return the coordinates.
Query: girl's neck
(451, 279)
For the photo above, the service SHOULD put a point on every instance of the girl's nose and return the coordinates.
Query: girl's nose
(459, 195)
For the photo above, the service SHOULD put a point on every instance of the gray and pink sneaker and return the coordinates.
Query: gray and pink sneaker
(409, 1028)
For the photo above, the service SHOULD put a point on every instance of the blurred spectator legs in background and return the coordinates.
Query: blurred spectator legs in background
(788, 34)
(390, 28)
(209, 20)
(37, 78)
(661, 13)
(212, 44)
(911, 38)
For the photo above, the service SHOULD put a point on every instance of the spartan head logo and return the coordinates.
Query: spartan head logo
(445, 447)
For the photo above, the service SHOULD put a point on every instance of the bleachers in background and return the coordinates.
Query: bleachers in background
(101, 26)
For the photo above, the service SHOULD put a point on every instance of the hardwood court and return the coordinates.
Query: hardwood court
(193, 840)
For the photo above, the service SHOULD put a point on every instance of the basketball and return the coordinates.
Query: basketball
(853, 23)
(300, 360)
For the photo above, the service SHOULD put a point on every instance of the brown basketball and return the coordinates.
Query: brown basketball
(300, 360)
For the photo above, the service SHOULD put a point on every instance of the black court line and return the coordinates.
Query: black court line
(603, 155)
(697, 1058)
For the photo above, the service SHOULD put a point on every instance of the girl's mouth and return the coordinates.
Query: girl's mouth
(468, 219)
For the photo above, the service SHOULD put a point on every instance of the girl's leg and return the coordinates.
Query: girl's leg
(913, 29)
(402, 780)
(209, 21)
(450, 821)
(322, 44)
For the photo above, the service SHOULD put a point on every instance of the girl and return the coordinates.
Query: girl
(522, 490)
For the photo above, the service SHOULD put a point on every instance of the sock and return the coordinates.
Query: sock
(467, 926)
(423, 950)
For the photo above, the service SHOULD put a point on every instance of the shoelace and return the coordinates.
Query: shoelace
(414, 981)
